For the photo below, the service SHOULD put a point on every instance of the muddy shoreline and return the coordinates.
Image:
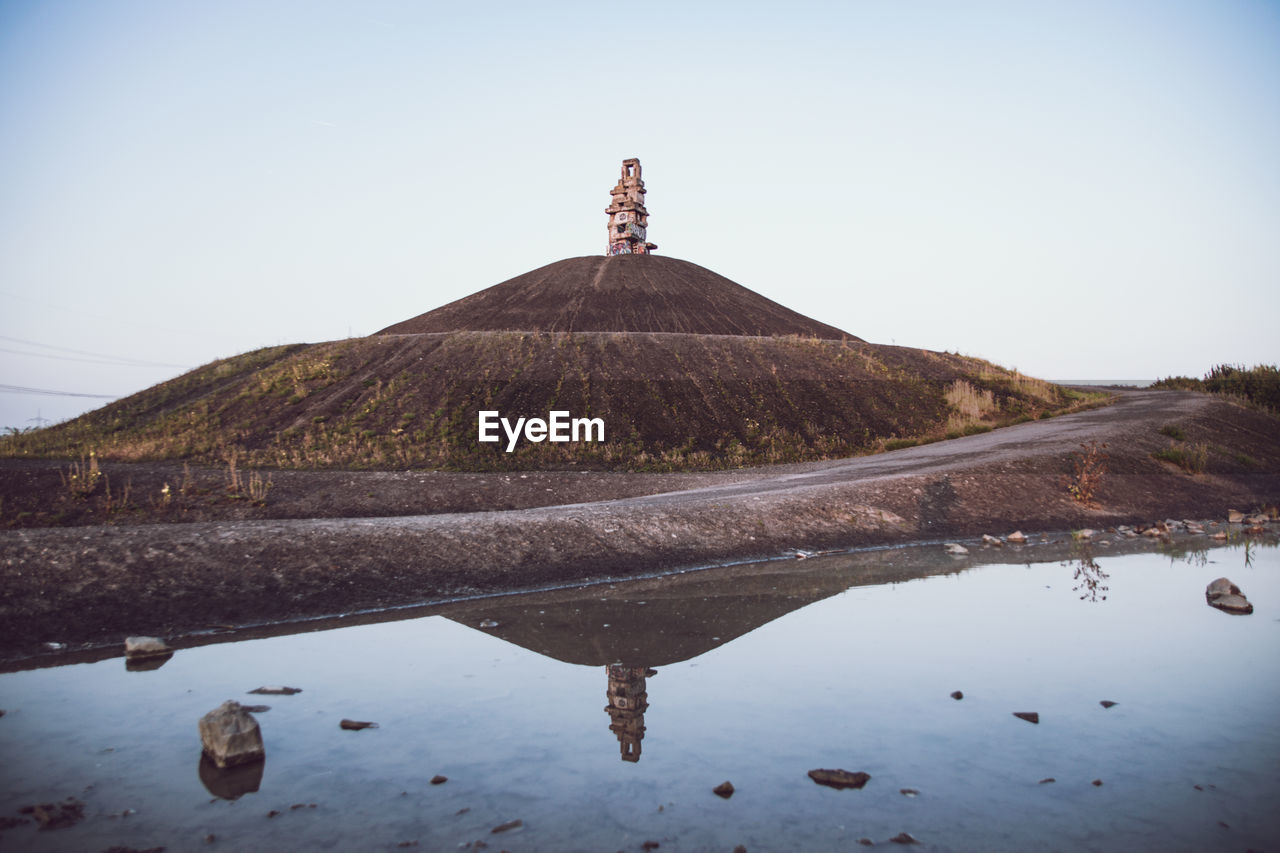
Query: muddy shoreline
(93, 584)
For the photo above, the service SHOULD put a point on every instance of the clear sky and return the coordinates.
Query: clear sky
(1077, 189)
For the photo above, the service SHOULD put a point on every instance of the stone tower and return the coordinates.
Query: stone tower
(628, 219)
(628, 701)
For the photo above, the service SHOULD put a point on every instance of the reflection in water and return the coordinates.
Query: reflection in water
(1089, 577)
(230, 783)
(627, 704)
(146, 664)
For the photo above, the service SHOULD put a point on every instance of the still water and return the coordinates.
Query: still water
(602, 718)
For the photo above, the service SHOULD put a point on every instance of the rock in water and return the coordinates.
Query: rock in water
(724, 789)
(1017, 537)
(356, 725)
(955, 548)
(840, 778)
(957, 695)
(1226, 596)
(231, 735)
(1029, 716)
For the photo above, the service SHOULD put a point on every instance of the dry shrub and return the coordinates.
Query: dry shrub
(1088, 466)
(968, 405)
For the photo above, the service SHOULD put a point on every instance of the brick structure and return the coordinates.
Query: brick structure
(628, 219)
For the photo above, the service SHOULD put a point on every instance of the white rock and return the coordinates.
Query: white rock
(955, 548)
(1016, 537)
(139, 648)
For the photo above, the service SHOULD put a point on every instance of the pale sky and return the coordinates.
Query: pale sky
(1081, 190)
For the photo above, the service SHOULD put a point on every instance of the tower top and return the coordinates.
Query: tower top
(628, 218)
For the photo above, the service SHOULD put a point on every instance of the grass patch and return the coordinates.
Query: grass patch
(1192, 458)
(1173, 431)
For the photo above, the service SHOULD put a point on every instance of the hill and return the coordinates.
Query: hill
(683, 368)
(622, 293)
(668, 402)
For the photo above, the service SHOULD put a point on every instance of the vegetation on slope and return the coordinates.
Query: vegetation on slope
(1259, 385)
(668, 401)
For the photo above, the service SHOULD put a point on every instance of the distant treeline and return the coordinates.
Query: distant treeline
(1259, 385)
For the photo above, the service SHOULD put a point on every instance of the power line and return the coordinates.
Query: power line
(18, 389)
(113, 359)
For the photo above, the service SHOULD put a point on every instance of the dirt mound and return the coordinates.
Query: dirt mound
(667, 402)
(623, 293)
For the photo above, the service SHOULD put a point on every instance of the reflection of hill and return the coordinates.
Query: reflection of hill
(664, 620)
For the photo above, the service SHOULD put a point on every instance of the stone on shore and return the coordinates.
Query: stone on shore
(1235, 516)
(993, 541)
(231, 736)
(143, 648)
(1226, 596)
(1017, 537)
(840, 778)
(956, 549)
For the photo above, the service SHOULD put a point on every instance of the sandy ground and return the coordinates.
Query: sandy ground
(382, 539)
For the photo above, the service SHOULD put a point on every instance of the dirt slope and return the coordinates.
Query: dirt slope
(623, 293)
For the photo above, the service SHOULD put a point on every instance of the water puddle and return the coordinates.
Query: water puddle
(602, 718)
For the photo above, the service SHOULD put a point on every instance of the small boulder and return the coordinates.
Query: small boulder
(957, 695)
(724, 789)
(840, 778)
(993, 541)
(1107, 703)
(1085, 533)
(438, 779)
(142, 648)
(356, 725)
(1226, 596)
(1029, 716)
(956, 549)
(231, 736)
(1017, 537)
(1235, 516)
(904, 838)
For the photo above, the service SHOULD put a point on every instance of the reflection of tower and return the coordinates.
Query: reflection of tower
(627, 703)
(628, 219)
